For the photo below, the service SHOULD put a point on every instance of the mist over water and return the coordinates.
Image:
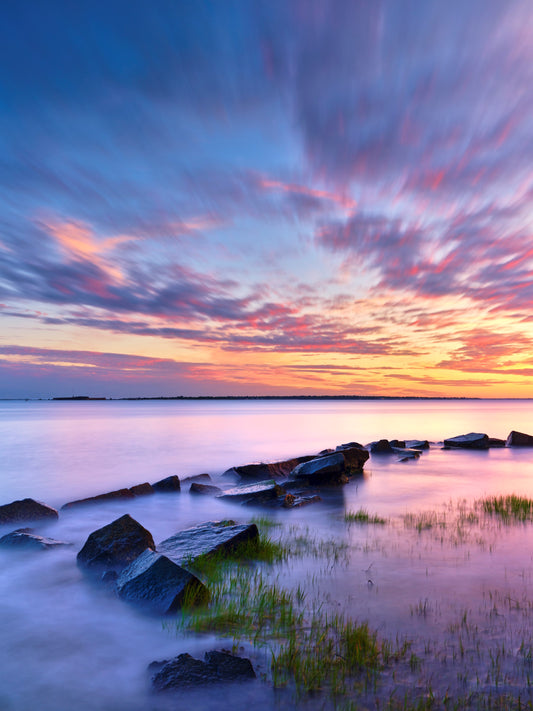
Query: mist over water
(68, 643)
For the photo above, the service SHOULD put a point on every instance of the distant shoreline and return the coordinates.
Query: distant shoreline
(84, 398)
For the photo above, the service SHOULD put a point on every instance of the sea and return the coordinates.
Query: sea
(68, 643)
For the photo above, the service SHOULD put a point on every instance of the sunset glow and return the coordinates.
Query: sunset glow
(267, 198)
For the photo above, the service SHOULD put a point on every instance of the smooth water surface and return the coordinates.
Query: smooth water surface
(67, 643)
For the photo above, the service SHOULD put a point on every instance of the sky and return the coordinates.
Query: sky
(308, 197)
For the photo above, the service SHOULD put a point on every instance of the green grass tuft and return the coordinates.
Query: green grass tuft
(508, 508)
(362, 516)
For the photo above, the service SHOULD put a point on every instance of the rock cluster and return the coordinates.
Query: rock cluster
(185, 672)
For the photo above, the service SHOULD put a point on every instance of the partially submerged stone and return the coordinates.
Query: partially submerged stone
(292, 501)
(27, 538)
(169, 484)
(330, 469)
(185, 672)
(262, 492)
(119, 494)
(196, 478)
(208, 538)
(355, 456)
(405, 453)
(417, 444)
(267, 470)
(158, 584)
(142, 489)
(116, 545)
(205, 489)
(383, 446)
(519, 439)
(26, 510)
(496, 442)
(472, 440)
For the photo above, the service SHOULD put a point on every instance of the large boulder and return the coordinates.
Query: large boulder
(168, 485)
(473, 440)
(260, 493)
(519, 439)
(355, 456)
(184, 671)
(330, 469)
(206, 539)
(158, 584)
(26, 510)
(116, 545)
(267, 470)
(26, 538)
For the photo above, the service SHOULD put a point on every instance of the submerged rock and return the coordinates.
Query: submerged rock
(26, 510)
(116, 545)
(158, 584)
(169, 484)
(142, 489)
(206, 539)
(262, 492)
(355, 456)
(184, 671)
(270, 470)
(473, 440)
(417, 444)
(292, 501)
(26, 538)
(381, 447)
(205, 489)
(330, 469)
(196, 478)
(495, 442)
(519, 439)
(100, 498)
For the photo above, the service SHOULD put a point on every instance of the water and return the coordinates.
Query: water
(69, 644)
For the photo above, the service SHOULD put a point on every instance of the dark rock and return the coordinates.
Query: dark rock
(355, 457)
(198, 478)
(206, 489)
(323, 470)
(158, 584)
(325, 452)
(296, 502)
(26, 538)
(262, 492)
(381, 447)
(116, 545)
(101, 498)
(473, 440)
(110, 577)
(142, 489)
(168, 485)
(417, 444)
(271, 470)
(25, 510)
(495, 442)
(184, 671)
(206, 539)
(406, 453)
(397, 443)
(519, 439)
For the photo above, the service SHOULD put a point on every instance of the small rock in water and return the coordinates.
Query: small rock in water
(25, 510)
(116, 545)
(417, 444)
(169, 484)
(206, 489)
(100, 498)
(159, 585)
(519, 439)
(26, 538)
(381, 447)
(269, 470)
(184, 671)
(262, 492)
(330, 469)
(142, 489)
(473, 440)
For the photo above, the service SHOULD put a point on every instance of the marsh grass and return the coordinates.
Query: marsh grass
(362, 516)
(509, 509)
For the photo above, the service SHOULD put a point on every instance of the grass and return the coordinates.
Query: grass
(362, 516)
(508, 508)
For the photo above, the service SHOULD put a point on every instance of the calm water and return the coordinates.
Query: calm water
(67, 644)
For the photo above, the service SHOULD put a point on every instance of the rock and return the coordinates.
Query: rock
(495, 442)
(184, 671)
(110, 496)
(110, 577)
(296, 502)
(417, 444)
(323, 470)
(208, 538)
(406, 453)
(142, 489)
(116, 545)
(197, 478)
(473, 440)
(271, 470)
(262, 492)
(26, 510)
(168, 485)
(355, 457)
(397, 443)
(206, 489)
(381, 447)
(519, 439)
(26, 538)
(158, 584)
